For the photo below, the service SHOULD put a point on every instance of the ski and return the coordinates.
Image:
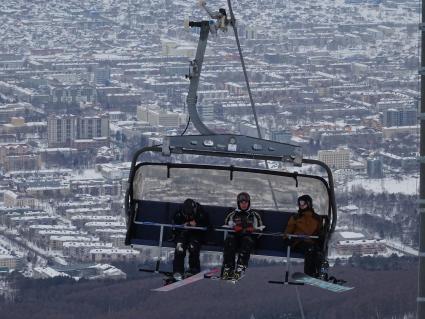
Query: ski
(303, 278)
(184, 282)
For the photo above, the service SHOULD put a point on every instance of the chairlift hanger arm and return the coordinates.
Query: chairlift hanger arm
(219, 22)
(195, 74)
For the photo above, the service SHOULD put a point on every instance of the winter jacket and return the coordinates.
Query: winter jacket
(200, 217)
(246, 218)
(304, 223)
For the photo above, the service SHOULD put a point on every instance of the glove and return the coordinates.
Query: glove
(192, 223)
(238, 228)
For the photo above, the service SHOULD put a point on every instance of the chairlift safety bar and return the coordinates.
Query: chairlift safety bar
(223, 229)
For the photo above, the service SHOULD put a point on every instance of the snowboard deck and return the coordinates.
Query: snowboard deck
(308, 280)
(186, 281)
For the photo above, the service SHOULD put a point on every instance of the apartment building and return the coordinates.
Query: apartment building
(335, 159)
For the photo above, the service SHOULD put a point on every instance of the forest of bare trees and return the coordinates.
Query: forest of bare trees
(377, 294)
(382, 215)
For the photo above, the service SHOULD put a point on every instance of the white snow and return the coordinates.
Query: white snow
(407, 185)
(402, 248)
(351, 235)
(87, 174)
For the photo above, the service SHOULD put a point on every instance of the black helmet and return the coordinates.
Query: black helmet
(243, 197)
(307, 199)
(189, 207)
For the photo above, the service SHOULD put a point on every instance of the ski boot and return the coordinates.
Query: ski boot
(168, 280)
(177, 276)
(323, 271)
(336, 281)
(240, 272)
(227, 274)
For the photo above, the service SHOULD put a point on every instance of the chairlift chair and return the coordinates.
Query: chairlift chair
(169, 173)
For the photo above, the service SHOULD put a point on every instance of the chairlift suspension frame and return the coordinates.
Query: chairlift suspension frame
(231, 146)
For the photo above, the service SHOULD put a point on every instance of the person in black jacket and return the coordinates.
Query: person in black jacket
(244, 222)
(191, 214)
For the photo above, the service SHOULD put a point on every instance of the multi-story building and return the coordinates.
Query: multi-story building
(91, 211)
(61, 130)
(156, 117)
(80, 220)
(8, 261)
(81, 250)
(400, 117)
(374, 168)
(20, 222)
(18, 156)
(102, 75)
(283, 136)
(66, 130)
(89, 127)
(22, 162)
(71, 94)
(16, 199)
(336, 159)
(92, 226)
(7, 111)
(106, 234)
(33, 231)
(57, 242)
(118, 240)
(108, 255)
(12, 149)
(364, 246)
(43, 236)
(96, 187)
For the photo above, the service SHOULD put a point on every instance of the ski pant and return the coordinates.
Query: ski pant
(193, 245)
(312, 257)
(241, 244)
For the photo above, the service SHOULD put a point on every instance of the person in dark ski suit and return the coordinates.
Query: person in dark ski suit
(191, 214)
(244, 222)
(306, 222)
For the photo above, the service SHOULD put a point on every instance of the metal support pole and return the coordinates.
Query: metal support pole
(288, 262)
(421, 273)
(161, 235)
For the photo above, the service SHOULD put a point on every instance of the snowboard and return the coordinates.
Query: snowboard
(308, 280)
(184, 282)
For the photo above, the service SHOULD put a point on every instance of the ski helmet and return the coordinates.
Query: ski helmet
(243, 197)
(307, 199)
(189, 207)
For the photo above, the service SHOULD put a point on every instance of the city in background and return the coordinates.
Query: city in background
(85, 84)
